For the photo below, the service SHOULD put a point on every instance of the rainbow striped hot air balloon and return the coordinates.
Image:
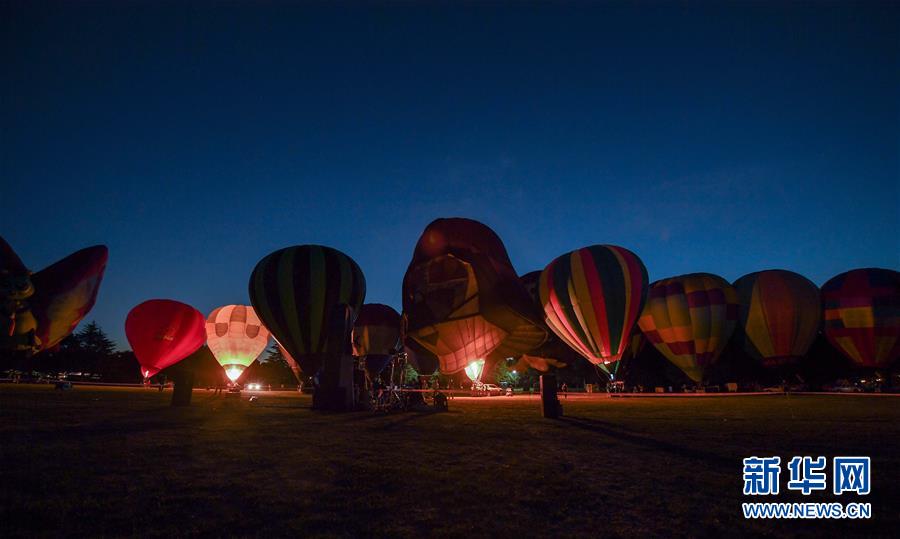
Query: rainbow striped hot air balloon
(592, 298)
(780, 314)
(236, 338)
(862, 315)
(689, 319)
(297, 292)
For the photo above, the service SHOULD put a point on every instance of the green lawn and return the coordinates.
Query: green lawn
(123, 462)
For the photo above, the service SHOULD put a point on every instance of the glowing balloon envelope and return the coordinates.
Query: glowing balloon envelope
(592, 298)
(162, 332)
(780, 314)
(236, 338)
(463, 300)
(689, 319)
(475, 369)
(862, 315)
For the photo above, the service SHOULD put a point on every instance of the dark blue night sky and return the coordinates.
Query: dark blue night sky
(193, 140)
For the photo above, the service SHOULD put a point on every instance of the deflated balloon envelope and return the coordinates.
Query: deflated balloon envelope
(57, 298)
(689, 319)
(862, 315)
(65, 292)
(779, 313)
(162, 332)
(236, 338)
(376, 336)
(592, 298)
(463, 299)
(297, 292)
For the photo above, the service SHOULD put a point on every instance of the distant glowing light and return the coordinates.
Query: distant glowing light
(474, 369)
(234, 373)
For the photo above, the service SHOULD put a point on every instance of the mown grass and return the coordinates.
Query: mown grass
(120, 462)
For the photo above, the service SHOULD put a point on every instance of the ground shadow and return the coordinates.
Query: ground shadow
(613, 431)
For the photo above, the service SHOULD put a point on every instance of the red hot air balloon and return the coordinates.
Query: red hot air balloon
(862, 315)
(162, 332)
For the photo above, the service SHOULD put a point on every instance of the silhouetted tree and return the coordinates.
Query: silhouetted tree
(93, 340)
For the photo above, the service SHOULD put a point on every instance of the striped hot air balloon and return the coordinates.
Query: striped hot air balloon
(236, 338)
(689, 319)
(376, 335)
(592, 298)
(862, 315)
(297, 292)
(780, 312)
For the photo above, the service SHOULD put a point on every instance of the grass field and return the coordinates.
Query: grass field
(113, 462)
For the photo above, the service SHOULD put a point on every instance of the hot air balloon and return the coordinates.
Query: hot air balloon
(862, 315)
(236, 337)
(376, 336)
(592, 298)
(298, 293)
(780, 313)
(463, 300)
(41, 309)
(162, 332)
(689, 319)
